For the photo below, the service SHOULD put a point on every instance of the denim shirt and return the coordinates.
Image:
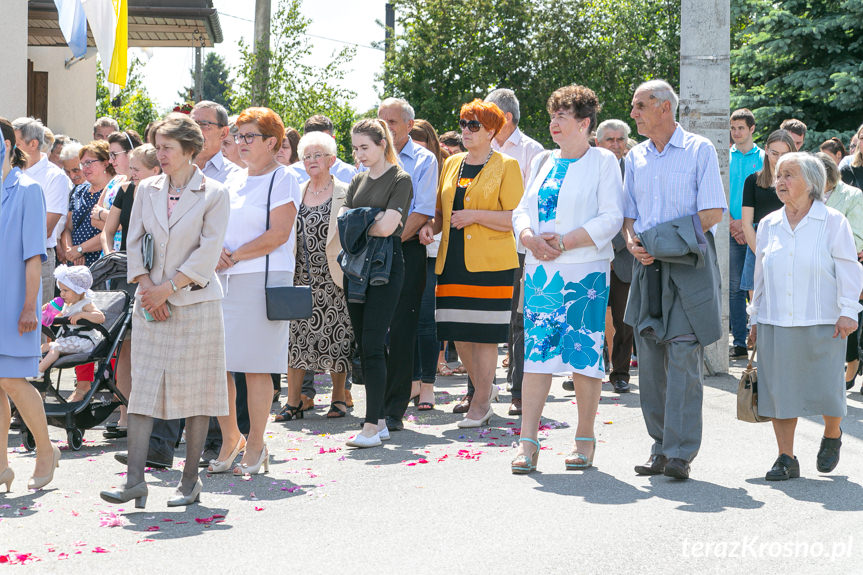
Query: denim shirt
(365, 260)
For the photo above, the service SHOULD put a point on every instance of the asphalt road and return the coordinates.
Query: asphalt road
(437, 499)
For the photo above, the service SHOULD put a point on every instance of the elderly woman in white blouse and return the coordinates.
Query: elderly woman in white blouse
(570, 211)
(805, 303)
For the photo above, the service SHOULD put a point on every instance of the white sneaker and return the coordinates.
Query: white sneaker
(361, 441)
(384, 434)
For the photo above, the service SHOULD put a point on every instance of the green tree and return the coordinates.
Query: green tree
(801, 59)
(216, 84)
(449, 52)
(132, 107)
(297, 89)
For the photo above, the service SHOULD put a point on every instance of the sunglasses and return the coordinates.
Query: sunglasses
(472, 125)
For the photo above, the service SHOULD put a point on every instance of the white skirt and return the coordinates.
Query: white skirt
(253, 343)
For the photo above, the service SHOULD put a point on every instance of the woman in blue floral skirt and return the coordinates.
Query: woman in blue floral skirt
(571, 210)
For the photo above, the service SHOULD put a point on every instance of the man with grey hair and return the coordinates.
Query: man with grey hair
(514, 143)
(422, 167)
(212, 118)
(56, 187)
(104, 127)
(673, 196)
(613, 135)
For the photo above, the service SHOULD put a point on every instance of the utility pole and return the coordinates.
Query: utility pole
(199, 75)
(390, 21)
(262, 51)
(705, 81)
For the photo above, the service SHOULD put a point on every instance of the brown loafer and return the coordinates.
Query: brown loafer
(655, 465)
(515, 406)
(463, 404)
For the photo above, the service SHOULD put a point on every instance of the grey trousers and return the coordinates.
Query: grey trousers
(671, 386)
(48, 281)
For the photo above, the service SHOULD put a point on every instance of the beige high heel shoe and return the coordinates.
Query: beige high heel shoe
(217, 466)
(40, 482)
(6, 477)
(263, 461)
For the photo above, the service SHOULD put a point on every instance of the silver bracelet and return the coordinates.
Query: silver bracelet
(560, 243)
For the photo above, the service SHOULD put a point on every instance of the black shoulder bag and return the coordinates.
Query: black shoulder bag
(287, 302)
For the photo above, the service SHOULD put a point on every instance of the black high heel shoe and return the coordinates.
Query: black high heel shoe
(290, 412)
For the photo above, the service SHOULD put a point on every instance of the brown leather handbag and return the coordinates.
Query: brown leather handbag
(747, 394)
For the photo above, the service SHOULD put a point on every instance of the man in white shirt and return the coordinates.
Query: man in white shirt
(512, 142)
(56, 187)
(212, 118)
(342, 171)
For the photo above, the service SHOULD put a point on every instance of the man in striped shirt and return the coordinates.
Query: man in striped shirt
(671, 175)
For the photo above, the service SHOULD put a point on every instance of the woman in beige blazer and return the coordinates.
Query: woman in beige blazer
(322, 342)
(178, 362)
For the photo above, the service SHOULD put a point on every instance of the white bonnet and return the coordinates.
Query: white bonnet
(76, 278)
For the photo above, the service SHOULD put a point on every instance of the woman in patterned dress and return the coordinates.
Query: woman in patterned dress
(570, 212)
(322, 342)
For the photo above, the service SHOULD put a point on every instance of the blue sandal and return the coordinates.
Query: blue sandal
(524, 464)
(576, 460)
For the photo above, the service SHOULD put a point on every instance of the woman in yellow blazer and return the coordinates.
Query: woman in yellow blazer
(476, 195)
(178, 361)
(323, 341)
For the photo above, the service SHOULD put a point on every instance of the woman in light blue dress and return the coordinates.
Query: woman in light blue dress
(22, 251)
(571, 210)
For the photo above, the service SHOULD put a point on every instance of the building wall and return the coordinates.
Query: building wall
(13, 59)
(71, 93)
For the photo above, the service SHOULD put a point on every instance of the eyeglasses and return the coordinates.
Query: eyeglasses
(248, 138)
(88, 163)
(207, 124)
(472, 125)
(113, 155)
(315, 157)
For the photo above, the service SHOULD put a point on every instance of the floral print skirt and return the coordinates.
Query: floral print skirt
(564, 317)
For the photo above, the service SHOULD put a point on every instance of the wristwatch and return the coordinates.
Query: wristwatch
(80, 250)
(560, 243)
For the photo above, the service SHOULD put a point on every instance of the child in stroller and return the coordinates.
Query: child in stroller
(74, 283)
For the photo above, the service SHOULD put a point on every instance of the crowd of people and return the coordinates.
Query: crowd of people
(580, 259)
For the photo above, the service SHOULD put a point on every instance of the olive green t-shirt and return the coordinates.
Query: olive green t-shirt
(393, 190)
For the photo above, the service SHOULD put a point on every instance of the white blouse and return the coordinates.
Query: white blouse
(248, 218)
(808, 275)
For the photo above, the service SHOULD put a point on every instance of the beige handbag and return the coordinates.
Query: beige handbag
(747, 394)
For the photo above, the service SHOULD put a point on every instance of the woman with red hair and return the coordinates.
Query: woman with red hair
(477, 192)
(258, 243)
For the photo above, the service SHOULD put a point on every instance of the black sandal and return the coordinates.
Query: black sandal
(425, 406)
(335, 412)
(289, 412)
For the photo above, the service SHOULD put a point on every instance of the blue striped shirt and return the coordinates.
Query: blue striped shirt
(680, 181)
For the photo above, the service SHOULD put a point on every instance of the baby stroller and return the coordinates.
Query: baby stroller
(103, 397)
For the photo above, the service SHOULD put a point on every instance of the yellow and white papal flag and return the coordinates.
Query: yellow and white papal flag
(109, 22)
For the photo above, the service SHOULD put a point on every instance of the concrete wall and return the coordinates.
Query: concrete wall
(13, 63)
(71, 93)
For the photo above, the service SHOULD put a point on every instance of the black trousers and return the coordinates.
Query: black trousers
(621, 348)
(403, 330)
(371, 321)
(165, 435)
(515, 371)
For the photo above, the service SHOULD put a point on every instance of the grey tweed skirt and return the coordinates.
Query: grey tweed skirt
(178, 365)
(801, 371)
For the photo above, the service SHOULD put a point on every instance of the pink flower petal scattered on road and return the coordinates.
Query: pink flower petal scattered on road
(153, 528)
(112, 520)
(258, 508)
(100, 550)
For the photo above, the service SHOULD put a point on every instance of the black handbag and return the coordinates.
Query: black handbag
(287, 302)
